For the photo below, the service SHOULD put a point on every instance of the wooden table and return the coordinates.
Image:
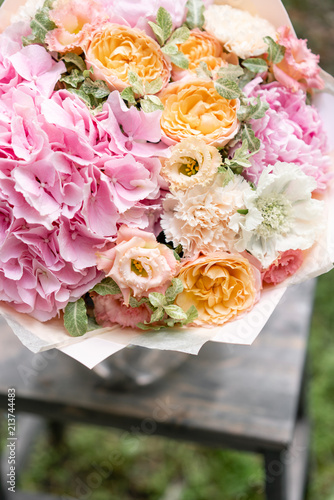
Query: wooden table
(243, 397)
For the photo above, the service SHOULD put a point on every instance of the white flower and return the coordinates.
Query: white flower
(282, 215)
(238, 30)
(192, 162)
(27, 11)
(198, 218)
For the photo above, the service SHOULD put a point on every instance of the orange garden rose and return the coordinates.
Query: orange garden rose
(222, 286)
(201, 46)
(195, 109)
(115, 49)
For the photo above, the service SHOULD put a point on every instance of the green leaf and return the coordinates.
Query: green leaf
(227, 88)
(75, 318)
(29, 40)
(151, 103)
(192, 314)
(107, 287)
(253, 142)
(74, 59)
(170, 49)
(90, 101)
(98, 89)
(231, 72)
(180, 60)
(253, 109)
(275, 51)
(176, 255)
(159, 34)
(128, 95)
(142, 326)
(202, 71)
(195, 14)
(136, 83)
(227, 174)
(157, 299)
(41, 24)
(92, 325)
(73, 79)
(243, 211)
(157, 315)
(247, 77)
(154, 86)
(180, 35)
(175, 312)
(164, 20)
(133, 302)
(173, 290)
(256, 65)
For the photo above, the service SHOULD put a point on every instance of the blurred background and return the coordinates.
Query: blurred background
(154, 468)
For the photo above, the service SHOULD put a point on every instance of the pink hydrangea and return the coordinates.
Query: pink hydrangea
(110, 310)
(291, 131)
(299, 69)
(35, 277)
(284, 266)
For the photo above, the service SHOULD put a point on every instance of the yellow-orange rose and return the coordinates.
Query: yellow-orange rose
(222, 286)
(195, 109)
(115, 49)
(202, 46)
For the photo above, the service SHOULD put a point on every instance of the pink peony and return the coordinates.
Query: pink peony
(299, 68)
(286, 265)
(291, 131)
(138, 263)
(110, 310)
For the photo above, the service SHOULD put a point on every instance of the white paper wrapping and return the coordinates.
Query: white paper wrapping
(97, 345)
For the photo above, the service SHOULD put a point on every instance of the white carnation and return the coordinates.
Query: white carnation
(198, 218)
(238, 30)
(282, 215)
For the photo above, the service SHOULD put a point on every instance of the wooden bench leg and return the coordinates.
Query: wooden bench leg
(276, 476)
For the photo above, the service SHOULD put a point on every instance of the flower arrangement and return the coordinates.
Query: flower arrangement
(159, 166)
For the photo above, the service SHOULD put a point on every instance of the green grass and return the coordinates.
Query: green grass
(112, 465)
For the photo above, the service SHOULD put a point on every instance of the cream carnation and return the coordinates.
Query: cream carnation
(238, 30)
(192, 162)
(198, 219)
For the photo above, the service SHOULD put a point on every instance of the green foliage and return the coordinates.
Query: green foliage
(252, 109)
(151, 103)
(165, 312)
(275, 51)
(253, 143)
(195, 14)
(255, 65)
(75, 318)
(106, 287)
(202, 71)
(230, 72)
(40, 26)
(227, 88)
(163, 27)
(72, 59)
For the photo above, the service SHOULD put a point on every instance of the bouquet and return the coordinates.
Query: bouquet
(163, 173)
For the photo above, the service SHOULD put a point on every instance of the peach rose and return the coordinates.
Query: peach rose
(222, 286)
(299, 69)
(115, 49)
(201, 46)
(195, 109)
(138, 263)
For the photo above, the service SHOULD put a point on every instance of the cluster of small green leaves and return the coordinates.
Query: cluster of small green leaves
(164, 311)
(149, 102)
(195, 14)
(77, 80)
(168, 40)
(40, 25)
